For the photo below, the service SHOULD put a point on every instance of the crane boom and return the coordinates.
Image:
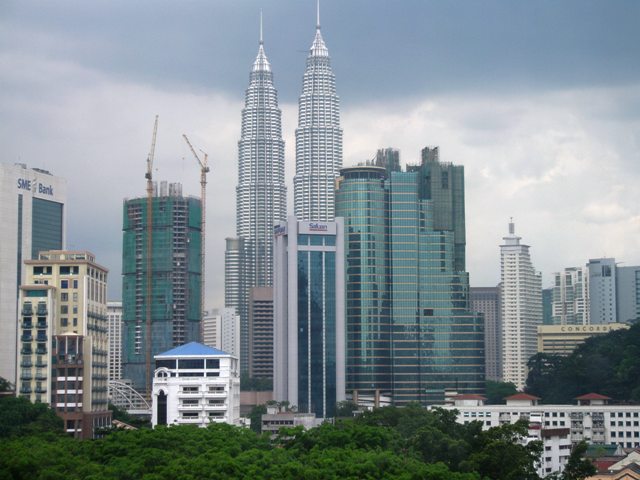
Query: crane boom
(204, 169)
(149, 176)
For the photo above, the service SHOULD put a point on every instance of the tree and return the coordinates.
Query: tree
(346, 408)
(256, 417)
(5, 385)
(19, 417)
(578, 467)
(496, 392)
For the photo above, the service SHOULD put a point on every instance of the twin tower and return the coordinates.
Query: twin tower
(261, 196)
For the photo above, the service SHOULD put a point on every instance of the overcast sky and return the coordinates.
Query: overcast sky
(539, 100)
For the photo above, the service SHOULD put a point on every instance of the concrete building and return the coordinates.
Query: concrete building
(63, 351)
(221, 330)
(593, 418)
(628, 293)
(114, 317)
(570, 303)
(261, 332)
(165, 312)
(318, 137)
(195, 385)
(602, 291)
(521, 308)
(486, 300)
(410, 329)
(33, 218)
(309, 339)
(273, 421)
(261, 193)
(563, 339)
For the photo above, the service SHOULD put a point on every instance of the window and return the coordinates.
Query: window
(190, 389)
(191, 363)
(64, 284)
(75, 284)
(190, 414)
(64, 297)
(64, 322)
(213, 363)
(64, 309)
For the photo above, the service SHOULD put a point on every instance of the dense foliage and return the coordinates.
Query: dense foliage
(19, 417)
(408, 443)
(496, 392)
(607, 364)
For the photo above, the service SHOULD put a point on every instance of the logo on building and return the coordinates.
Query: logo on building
(318, 227)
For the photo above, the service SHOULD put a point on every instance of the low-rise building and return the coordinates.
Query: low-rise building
(564, 339)
(196, 385)
(274, 420)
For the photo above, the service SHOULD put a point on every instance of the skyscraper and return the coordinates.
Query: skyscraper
(521, 308)
(261, 196)
(175, 279)
(570, 297)
(602, 290)
(486, 300)
(318, 137)
(33, 219)
(114, 316)
(410, 329)
(309, 366)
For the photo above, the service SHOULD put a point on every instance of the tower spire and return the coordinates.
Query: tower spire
(261, 41)
(317, 14)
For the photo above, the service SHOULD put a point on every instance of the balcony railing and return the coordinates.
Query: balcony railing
(26, 376)
(41, 390)
(26, 364)
(25, 389)
(27, 311)
(26, 337)
(41, 337)
(42, 310)
(26, 351)
(27, 324)
(41, 350)
(41, 324)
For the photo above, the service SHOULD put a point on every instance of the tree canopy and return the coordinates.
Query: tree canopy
(607, 364)
(19, 417)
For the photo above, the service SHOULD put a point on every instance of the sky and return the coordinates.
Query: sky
(539, 100)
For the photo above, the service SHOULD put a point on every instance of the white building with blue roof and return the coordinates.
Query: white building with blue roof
(196, 385)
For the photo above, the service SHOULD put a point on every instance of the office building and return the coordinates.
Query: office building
(261, 332)
(114, 317)
(318, 137)
(33, 217)
(261, 195)
(547, 306)
(195, 385)
(602, 291)
(309, 366)
(563, 339)
(570, 297)
(221, 330)
(63, 326)
(486, 300)
(161, 298)
(410, 330)
(521, 308)
(628, 293)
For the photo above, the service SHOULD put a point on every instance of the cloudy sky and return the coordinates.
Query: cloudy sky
(539, 100)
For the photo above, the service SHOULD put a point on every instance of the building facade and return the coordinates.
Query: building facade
(114, 317)
(33, 218)
(628, 293)
(221, 330)
(602, 290)
(410, 329)
(195, 385)
(309, 343)
(563, 339)
(521, 308)
(318, 137)
(486, 300)
(261, 332)
(171, 314)
(570, 304)
(63, 353)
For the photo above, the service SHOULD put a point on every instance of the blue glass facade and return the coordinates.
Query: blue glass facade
(410, 332)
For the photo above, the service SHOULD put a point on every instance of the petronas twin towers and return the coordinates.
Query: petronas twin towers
(261, 200)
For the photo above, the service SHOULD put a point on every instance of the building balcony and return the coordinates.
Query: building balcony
(27, 324)
(27, 311)
(41, 324)
(189, 394)
(26, 376)
(26, 337)
(41, 338)
(41, 376)
(41, 364)
(41, 390)
(41, 350)
(25, 389)
(189, 421)
(26, 351)
(215, 394)
(42, 311)
(190, 408)
(216, 407)
(26, 364)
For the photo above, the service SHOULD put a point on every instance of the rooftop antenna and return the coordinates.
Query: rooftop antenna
(261, 42)
(318, 14)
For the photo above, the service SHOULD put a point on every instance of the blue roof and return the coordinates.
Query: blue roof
(191, 349)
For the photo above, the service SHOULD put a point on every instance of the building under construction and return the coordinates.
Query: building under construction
(168, 314)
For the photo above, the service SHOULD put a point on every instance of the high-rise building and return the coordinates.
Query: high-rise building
(261, 332)
(63, 339)
(114, 316)
(547, 306)
(486, 300)
(33, 219)
(318, 137)
(521, 308)
(175, 311)
(571, 297)
(602, 290)
(410, 330)
(628, 293)
(309, 339)
(261, 194)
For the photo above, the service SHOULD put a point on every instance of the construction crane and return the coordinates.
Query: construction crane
(149, 298)
(204, 169)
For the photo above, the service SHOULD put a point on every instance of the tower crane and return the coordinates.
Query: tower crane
(149, 176)
(204, 169)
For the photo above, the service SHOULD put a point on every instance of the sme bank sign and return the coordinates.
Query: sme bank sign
(318, 228)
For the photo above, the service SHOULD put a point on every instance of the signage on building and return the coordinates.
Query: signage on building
(586, 328)
(34, 186)
(322, 228)
(280, 230)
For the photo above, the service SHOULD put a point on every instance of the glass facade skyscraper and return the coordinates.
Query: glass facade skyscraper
(309, 316)
(410, 331)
